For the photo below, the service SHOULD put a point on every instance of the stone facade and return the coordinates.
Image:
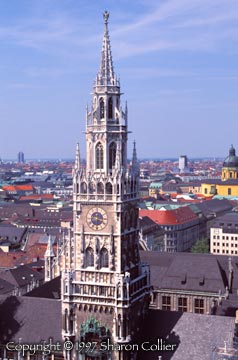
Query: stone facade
(105, 287)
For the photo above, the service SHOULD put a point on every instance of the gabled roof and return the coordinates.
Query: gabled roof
(21, 275)
(170, 217)
(186, 271)
(10, 259)
(49, 290)
(195, 335)
(6, 287)
(30, 319)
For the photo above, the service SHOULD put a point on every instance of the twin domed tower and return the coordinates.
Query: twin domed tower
(105, 288)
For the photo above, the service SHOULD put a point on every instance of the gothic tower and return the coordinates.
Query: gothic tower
(105, 287)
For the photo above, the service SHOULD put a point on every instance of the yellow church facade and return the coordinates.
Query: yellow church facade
(228, 184)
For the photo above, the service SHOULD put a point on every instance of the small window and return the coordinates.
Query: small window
(182, 304)
(101, 105)
(166, 302)
(199, 306)
(110, 112)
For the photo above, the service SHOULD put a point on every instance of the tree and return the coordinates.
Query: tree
(201, 246)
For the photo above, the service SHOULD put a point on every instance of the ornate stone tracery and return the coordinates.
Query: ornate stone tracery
(102, 273)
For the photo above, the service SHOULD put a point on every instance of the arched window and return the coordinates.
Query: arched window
(100, 188)
(91, 187)
(99, 156)
(112, 154)
(66, 320)
(103, 257)
(101, 105)
(108, 188)
(71, 321)
(89, 257)
(110, 112)
(83, 188)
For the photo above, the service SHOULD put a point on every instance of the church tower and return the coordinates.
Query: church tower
(105, 287)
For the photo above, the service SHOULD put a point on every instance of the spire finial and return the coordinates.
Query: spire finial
(106, 16)
(106, 73)
(77, 158)
(134, 162)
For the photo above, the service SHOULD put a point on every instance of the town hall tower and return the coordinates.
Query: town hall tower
(105, 287)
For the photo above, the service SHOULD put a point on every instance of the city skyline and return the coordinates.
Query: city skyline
(176, 61)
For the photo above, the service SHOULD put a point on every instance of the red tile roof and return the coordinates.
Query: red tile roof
(9, 259)
(18, 187)
(37, 197)
(170, 217)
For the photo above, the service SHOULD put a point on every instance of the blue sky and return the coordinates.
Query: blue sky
(177, 61)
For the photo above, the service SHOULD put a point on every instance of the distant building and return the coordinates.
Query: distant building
(224, 235)
(181, 228)
(195, 283)
(183, 163)
(228, 184)
(20, 157)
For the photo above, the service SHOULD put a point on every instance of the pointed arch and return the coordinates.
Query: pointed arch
(102, 108)
(66, 320)
(99, 156)
(110, 108)
(112, 154)
(108, 188)
(91, 187)
(104, 258)
(89, 256)
(83, 188)
(100, 188)
(71, 321)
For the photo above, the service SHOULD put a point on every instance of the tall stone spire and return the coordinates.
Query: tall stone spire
(77, 158)
(49, 251)
(106, 73)
(49, 259)
(134, 163)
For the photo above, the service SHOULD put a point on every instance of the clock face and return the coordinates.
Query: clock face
(97, 218)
